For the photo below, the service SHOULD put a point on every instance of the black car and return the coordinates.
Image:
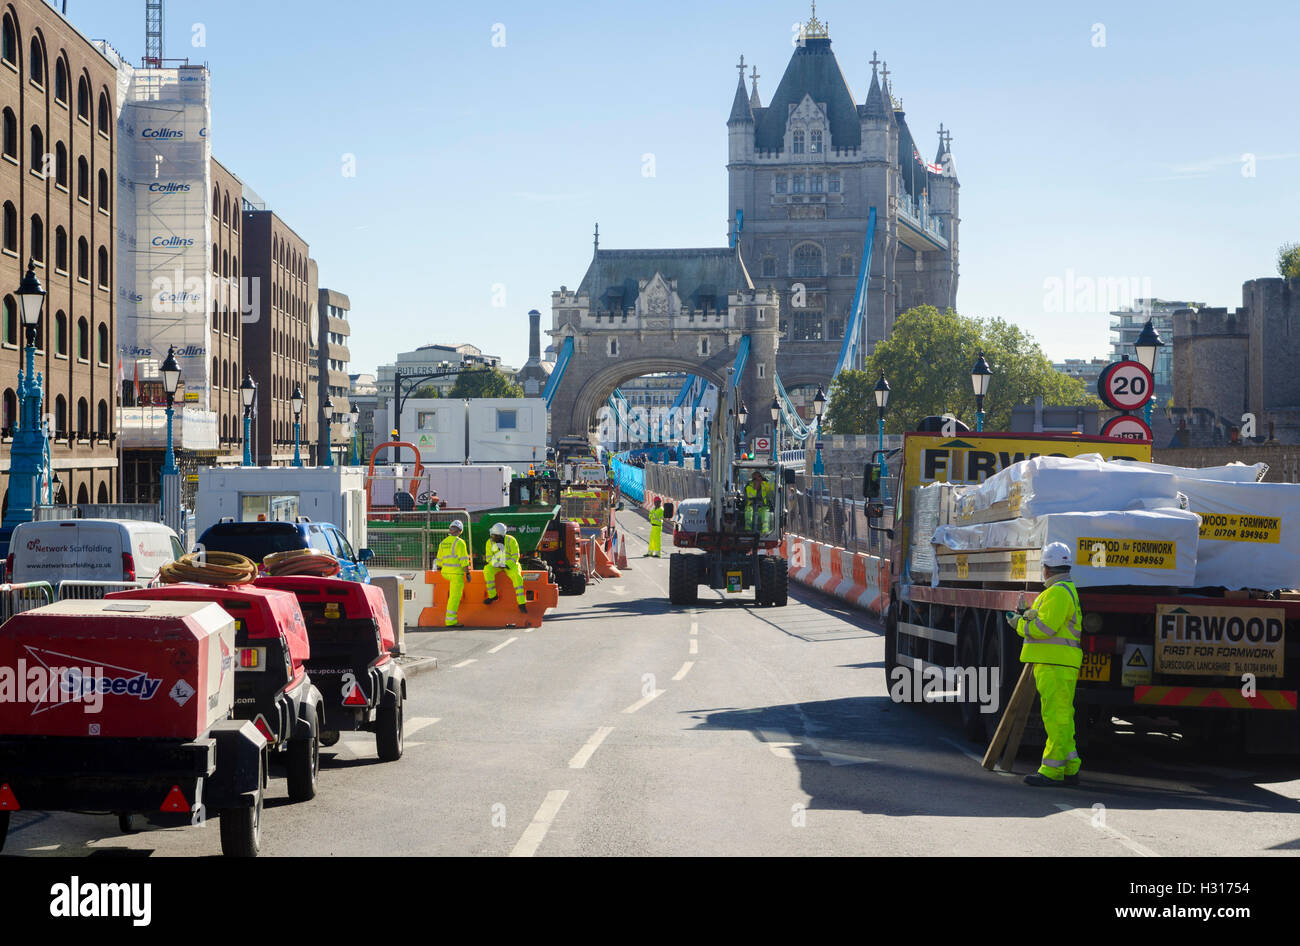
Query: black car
(256, 540)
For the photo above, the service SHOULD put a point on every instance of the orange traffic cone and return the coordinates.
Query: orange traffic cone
(621, 559)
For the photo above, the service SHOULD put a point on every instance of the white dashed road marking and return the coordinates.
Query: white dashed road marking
(643, 701)
(503, 645)
(686, 668)
(535, 833)
(579, 761)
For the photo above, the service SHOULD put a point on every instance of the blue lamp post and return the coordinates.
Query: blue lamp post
(775, 411)
(706, 439)
(327, 411)
(171, 378)
(355, 418)
(248, 391)
(296, 403)
(1148, 345)
(819, 408)
(742, 418)
(882, 402)
(979, 382)
(28, 452)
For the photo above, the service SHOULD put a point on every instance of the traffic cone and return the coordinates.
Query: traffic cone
(621, 559)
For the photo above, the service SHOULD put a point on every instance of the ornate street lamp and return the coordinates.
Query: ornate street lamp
(775, 411)
(742, 418)
(882, 404)
(171, 379)
(248, 391)
(819, 408)
(1148, 346)
(295, 402)
(327, 411)
(27, 455)
(979, 382)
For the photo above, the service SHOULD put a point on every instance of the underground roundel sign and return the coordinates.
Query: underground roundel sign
(762, 443)
(1127, 427)
(1125, 385)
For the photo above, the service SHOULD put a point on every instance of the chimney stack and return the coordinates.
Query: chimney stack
(534, 335)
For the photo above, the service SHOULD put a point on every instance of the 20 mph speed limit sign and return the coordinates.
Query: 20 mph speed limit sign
(1125, 385)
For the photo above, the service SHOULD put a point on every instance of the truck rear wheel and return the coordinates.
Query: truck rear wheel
(304, 767)
(763, 587)
(389, 738)
(241, 828)
(682, 587)
(781, 582)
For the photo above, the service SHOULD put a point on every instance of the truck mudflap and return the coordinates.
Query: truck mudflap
(221, 770)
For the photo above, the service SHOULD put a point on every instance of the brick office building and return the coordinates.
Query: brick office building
(57, 174)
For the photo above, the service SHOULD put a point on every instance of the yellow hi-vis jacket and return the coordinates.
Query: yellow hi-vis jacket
(1052, 636)
(657, 517)
(752, 494)
(453, 556)
(503, 554)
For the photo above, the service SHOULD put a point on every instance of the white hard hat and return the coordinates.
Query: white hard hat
(1056, 555)
(498, 528)
(456, 525)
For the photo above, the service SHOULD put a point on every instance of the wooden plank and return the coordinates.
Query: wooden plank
(1022, 699)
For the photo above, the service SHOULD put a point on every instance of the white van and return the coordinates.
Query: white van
(90, 550)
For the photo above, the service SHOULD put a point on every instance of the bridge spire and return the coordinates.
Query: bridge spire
(595, 242)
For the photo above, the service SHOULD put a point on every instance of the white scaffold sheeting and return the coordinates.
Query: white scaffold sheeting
(1047, 485)
(1250, 533)
(1133, 547)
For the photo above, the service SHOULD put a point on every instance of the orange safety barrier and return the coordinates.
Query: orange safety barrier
(604, 567)
(542, 596)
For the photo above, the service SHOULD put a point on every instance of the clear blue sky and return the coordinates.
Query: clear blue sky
(482, 166)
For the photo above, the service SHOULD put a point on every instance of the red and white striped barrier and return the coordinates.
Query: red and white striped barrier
(850, 576)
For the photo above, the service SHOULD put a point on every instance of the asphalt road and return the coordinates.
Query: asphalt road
(625, 726)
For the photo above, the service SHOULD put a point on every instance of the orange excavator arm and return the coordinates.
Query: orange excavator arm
(415, 479)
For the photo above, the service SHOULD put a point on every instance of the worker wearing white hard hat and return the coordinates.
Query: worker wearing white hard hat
(502, 554)
(1052, 630)
(453, 562)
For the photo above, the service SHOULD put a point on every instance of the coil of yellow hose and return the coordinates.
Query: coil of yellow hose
(211, 568)
(301, 562)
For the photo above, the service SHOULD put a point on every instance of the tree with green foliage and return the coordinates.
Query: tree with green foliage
(927, 360)
(1288, 260)
(485, 382)
(425, 391)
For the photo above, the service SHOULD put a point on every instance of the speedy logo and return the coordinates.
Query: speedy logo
(136, 683)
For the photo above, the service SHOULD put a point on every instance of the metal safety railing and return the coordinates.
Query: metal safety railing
(83, 590)
(409, 540)
(831, 510)
(24, 596)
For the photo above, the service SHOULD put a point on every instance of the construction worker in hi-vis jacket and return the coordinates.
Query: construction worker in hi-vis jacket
(1052, 630)
(453, 562)
(503, 556)
(656, 528)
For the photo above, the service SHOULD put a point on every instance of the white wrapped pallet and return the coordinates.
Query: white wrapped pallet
(1250, 534)
(1130, 547)
(931, 509)
(1228, 473)
(1047, 485)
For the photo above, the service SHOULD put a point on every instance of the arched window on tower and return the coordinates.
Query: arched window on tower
(808, 260)
(815, 142)
(797, 142)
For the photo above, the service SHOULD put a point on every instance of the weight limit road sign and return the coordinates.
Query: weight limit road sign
(1128, 427)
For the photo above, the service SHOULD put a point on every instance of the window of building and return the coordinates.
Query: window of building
(60, 418)
(782, 183)
(833, 183)
(101, 431)
(83, 420)
(796, 184)
(103, 267)
(101, 354)
(36, 63)
(797, 142)
(9, 41)
(815, 142)
(10, 412)
(103, 190)
(10, 134)
(507, 420)
(835, 328)
(36, 150)
(769, 265)
(815, 183)
(704, 346)
(216, 203)
(11, 228)
(426, 420)
(807, 326)
(61, 249)
(61, 83)
(83, 259)
(613, 347)
(105, 115)
(37, 242)
(83, 99)
(61, 165)
(846, 266)
(808, 260)
(83, 179)
(11, 320)
(83, 339)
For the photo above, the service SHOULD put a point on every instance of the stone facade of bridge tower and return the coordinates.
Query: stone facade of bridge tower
(804, 172)
(639, 312)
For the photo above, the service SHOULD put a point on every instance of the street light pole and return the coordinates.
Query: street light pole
(27, 455)
(296, 403)
(1148, 345)
(171, 379)
(355, 417)
(248, 391)
(882, 402)
(742, 418)
(327, 411)
(819, 408)
(979, 380)
(775, 411)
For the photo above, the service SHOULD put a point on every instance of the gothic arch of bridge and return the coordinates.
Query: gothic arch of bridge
(593, 392)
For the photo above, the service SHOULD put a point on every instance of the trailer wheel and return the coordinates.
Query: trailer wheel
(781, 584)
(241, 828)
(766, 580)
(304, 767)
(126, 824)
(682, 587)
(389, 737)
(4, 828)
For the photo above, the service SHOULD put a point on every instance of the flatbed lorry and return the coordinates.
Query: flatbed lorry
(955, 623)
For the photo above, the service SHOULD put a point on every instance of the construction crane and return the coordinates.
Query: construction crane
(153, 34)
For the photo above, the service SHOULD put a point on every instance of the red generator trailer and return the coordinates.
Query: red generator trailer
(125, 707)
(352, 661)
(272, 687)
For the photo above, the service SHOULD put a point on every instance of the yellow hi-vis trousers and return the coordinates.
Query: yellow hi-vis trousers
(516, 575)
(455, 589)
(1056, 696)
(656, 540)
